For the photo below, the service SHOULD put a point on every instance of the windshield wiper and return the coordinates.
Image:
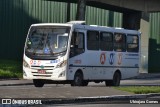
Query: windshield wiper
(40, 43)
(60, 52)
(49, 45)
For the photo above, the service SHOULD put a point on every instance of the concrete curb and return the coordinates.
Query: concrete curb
(106, 99)
(16, 84)
(146, 75)
(127, 96)
(114, 99)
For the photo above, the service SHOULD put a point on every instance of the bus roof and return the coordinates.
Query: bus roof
(51, 24)
(81, 25)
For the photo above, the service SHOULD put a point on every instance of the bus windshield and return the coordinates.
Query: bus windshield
(47, 41)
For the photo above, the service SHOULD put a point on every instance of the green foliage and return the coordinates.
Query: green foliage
(10, 69)
(140, 89)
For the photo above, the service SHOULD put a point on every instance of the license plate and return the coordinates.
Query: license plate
(41, 71)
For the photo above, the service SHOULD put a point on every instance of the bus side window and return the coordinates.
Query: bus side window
(106, 41)
(119, 42)
(92, 40)
(132, 43)
(77, 44)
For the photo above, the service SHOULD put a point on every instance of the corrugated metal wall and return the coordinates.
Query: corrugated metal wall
(15, 18)
(154, 43)
(17, 15)
(96, 16)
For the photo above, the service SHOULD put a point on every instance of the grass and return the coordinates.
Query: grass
(140, 89)
(10, 69)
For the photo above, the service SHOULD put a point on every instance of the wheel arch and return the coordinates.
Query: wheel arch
(80, 71)
(78, 78)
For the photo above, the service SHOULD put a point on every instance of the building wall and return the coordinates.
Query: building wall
(15, 18)
(154, 43)
(17, 15)
(96, 16)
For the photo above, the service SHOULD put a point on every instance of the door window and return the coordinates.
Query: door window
(77, 44)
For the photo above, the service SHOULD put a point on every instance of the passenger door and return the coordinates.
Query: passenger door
(77, 43)
(77, 52)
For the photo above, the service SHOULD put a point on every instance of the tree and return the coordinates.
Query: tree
(81, 8)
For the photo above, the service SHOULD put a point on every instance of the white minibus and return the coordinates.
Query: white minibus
(77, 54)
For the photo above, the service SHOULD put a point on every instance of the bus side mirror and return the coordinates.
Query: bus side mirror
(29, 44)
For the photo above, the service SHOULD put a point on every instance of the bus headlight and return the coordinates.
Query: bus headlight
(25, 64)
(61, 64)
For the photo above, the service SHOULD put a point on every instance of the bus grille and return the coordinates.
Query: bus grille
(45, 67)
(48, 71)
(46, 74)
(42, 75)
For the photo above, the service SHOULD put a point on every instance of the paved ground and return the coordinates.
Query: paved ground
(142, 79)
(102, 105)
(60, 91)
(25, 89)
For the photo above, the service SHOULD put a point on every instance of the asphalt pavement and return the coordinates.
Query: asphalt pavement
(93, 92)
(142, 76)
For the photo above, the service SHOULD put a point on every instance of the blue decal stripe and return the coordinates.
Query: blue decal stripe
(131, 58)
(105, 66)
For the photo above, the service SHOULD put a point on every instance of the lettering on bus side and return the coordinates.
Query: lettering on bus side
(55, 61)
(78, 61)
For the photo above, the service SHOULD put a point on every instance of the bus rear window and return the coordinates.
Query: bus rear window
(132, 43)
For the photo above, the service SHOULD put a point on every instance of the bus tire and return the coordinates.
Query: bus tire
(78, 79)
(109, 83)
(115, 81)
(38, 83)
(85, 83)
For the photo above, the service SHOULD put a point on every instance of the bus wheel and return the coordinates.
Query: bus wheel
(109, 83)
(85, 83)
(38, 83)
(78, 79)
(115, 81)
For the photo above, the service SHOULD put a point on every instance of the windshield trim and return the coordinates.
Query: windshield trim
(44, 57)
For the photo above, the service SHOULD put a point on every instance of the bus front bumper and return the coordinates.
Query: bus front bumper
(56, 74)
